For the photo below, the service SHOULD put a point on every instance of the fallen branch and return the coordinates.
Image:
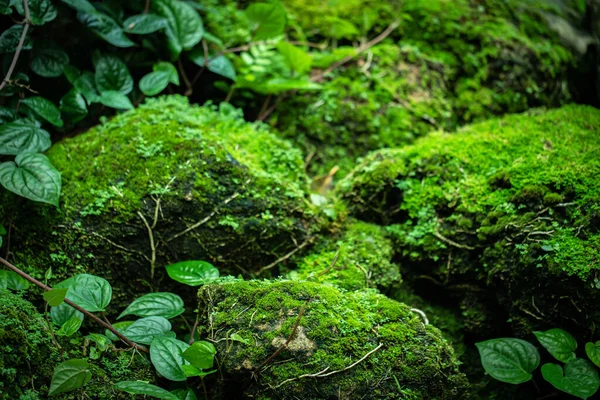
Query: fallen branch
(152, 245)
(451, 242)
(13, 64)
(285, 257)
(75, 306)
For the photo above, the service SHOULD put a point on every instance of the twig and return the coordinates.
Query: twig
(75, 306)
(422, 314)
(206, 60)
(268, 111)
(13, 64)
(193, 331)
(147, 7)
(285, 257)
(335, 260)
(451, 242)
(186, 80)
(152, 246)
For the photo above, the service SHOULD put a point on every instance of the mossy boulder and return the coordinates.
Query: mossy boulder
(502, 213)
(357, 343)
(164, 183)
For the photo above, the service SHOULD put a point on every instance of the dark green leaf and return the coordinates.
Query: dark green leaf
(185, 394)
(101, 341)
(579, 378)
(184, 29)
(219, 65)
(169, 69)
(593, 352)
(5, 7)
(33, 177)
(153, 83)
(296, 59)
(70, 327)
(69, 375)
(193, 273)
(160, 304)
(49, 60)
(40, 11)
(13, 281)
(7, 115)
(201, 354)
(267, 20)
(191, 371)
(9, 40)
(143, 388)
(73, 105)
(166, 356)
(144, 330)
(120, 327)
(559, 343)
(114, 99)
(105, 27)
(85, 84)
(55, 296)
(81, 5)
(144, 24)
(509, 360)
(64, 312)
(45, 109)
(90, 292)
(23, 135)
(112, 74)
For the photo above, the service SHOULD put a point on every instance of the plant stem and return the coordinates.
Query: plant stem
(13, 64)
(75, 306)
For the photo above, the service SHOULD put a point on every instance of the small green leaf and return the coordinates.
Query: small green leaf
(70, 327)
(267, 20)
(593, 352)
(144, 24)
(114, 99)
(21, 136)
(69, 375)
(236, 337)
(85, 84)
(49, 60)
(64, 312)
(166, 356)
(40, 11)
(579, 378)
(185, 394)
(559, 343)
(296, 59)
(48, 274)
(193, 273)
(45, 109)
(509, 360)
(112, 74)
(144, 388)
(169, 69)
(90, 292)
(184, 29)
(33, 177)
(101, 341)
(220, 65)
(105, 27)
(13, 281)
(81, 5)
(160, 304)
(121, 327)
(144, 330)
(73, 105)
(191, 371)
(153, 83)
(9, 40)
(5, 7)
(201, 354)
(7, 115)
(55, 296)
(341, 29)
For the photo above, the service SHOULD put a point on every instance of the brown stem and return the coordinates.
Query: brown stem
(13, 64)
(147, 7)
(263, 109)
(51, 329)
(186, 80)
(75, 306)
(193, 331)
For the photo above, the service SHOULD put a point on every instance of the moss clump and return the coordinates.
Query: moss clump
(364, 260)
(477, 213)
(189, 182)
(335, 330)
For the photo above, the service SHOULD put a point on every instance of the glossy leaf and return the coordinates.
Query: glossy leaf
(509, 360)
(7, 115)
(193, 273)
(146, 389)
(49, 60)
(69, 375)
(114, 99)
(144, 330)
(86, 85)
(90, 292)
(143, 24)
(121, 327)
(70, 327)
(267, 20)
(21, 136)
(184, 29)
(81, 5)
(166, 356)
(112, 74)
(559, 343)
(45, 109)
(296, 59)
(191, 371)
(64, 312)
(201, 354)
(169, 69)
(185, 394)
(40, 11)
(9, 39)
(593, 352)
(219, 65)
(105, 27)
(579, 377)
(33, 177)
(56, 296)
(13, 281)
(5, 7)
(73, 105)
(153, 83)
(160, 304)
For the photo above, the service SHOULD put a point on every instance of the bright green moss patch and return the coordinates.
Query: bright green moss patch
(335, 330)
(512, 202)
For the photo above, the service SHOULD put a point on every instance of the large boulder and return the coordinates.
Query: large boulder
(304, 340)
(164, 183)
(504, 215)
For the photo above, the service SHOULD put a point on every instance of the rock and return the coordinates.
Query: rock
(354, 344)
(502, 215)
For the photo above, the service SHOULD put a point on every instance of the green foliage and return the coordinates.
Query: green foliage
(166, 355)
(192, 273)
(11, 280)
(579, 377)
(56, 296)
(32, 176)
(144, 388)
(161, 304)
(69, 375)
(88, 291)
(559, 343)
(144, 330)
(509, 360)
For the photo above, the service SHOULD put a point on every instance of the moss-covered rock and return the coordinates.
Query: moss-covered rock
(503, 212)
(400, 356)
(164, 183)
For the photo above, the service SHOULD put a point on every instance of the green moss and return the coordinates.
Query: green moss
(528, 186)
(211, 167)
(364, 260)
(336, 329)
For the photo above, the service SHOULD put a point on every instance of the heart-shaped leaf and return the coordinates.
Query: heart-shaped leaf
(7, 115)
(144, 330)
(33, 177)
(579, 378)
(267, 20)
(73, 105)
(559, 343)
(11, 280)
(143, 24)
(114, 99)
(193, 273)
(112, 74)
(593, 352)
(105, 27)
(184, 29)
(23, 135)
(121, 327)
(9, 40)
(90, 292)
(69, 375)
(166, 356)
(220, 65)
(169, 69)
(296, 59)
(84, 83)
(64, 312)
(55, 296)
(40, 11)
(49, 60)
(160, 304)
(153, 83)
(45, 109)
(70, 327)
(201, 354)
(509, 360)
(146, 389)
